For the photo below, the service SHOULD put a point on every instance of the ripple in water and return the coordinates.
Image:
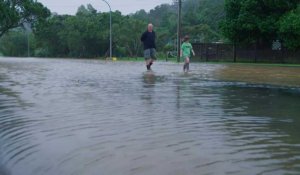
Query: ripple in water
(92, 117)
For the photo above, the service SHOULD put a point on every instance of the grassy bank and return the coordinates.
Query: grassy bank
(223, 62)
(254, 64)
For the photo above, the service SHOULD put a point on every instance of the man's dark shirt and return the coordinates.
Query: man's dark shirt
(148, 38)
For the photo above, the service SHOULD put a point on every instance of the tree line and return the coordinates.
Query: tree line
(86, 34)
(262, 22)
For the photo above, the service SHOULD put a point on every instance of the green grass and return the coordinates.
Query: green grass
(255, 64)
(174, 60)
(139, 59)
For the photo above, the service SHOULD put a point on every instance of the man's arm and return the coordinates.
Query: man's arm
(154, 40)
(143, 37)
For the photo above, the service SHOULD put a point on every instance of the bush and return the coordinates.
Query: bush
(41, 52)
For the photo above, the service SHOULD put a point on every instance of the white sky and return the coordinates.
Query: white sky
(125, 6)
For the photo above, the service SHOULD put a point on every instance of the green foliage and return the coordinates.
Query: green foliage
(14, 43)
(200, 20)
(86, 34)
(202, 32)
(203, 12)
(254, 21)
(289, 27)
(48, 36)
(41, 52)
(127, 36)
(15, 13)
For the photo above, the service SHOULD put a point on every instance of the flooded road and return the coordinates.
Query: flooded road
(75, 117)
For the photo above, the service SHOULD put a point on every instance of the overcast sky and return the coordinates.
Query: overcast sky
(125, 6)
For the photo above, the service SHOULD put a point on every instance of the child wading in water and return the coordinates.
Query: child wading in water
(186, 51)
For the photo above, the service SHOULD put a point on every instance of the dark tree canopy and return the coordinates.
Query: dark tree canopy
(255, 21)
(289, 27)
(86, 34)
(14, 13)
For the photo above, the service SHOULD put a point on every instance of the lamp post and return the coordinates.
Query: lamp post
(28, 45)
(27, 27)
(110, 32)
(179, 31)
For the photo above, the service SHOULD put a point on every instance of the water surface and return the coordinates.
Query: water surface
(74, 117)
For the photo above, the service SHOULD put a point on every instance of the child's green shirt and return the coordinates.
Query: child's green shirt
(186, 48)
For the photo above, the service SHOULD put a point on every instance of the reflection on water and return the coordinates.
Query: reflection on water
(149, 79)
(269, 130)
(91, 117)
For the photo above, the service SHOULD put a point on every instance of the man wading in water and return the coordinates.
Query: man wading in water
(148, 39)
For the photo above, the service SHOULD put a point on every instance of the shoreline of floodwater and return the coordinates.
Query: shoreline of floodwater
(255, 73)
(262, 74)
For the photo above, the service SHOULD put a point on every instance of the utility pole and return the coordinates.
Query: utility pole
(179, 31)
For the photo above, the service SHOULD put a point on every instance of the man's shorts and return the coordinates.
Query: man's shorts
(150, 54)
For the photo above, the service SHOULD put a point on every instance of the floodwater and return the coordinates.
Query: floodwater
(88, 117)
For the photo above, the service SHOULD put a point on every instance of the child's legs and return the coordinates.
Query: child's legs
(187, 60)
(187, 63)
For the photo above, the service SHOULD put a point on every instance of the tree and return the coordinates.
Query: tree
(200, 20)
(127, 36)
(289, 27)
(202, 33)
(208, 12)
(86, 34)
(254, 21)
(15, 13)
(48, 38)
(14, 43)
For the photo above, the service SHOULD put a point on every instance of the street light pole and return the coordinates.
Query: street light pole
(27, 29)
(179, 31)
(110, 30)
(28, 44)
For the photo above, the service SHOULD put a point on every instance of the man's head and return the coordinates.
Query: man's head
(150, 27)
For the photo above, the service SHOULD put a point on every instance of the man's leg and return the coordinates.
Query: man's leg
(151, 61)
(147, 55)
(153, 56)
(148, 63)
